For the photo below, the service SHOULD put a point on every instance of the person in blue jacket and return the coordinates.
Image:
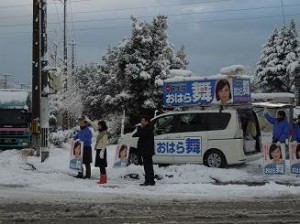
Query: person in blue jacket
(281, 126)
(296, 131)
(85, 135)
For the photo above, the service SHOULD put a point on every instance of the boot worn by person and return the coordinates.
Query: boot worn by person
(88, 172)
(148, 184)
(79, 175)
(102, 179)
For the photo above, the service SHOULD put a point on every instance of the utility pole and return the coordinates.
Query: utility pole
(282, 12)
(44, 84)
(73, 55)
(5, 80)
(22, 85)
(72, 62)
(65, 113)
(65, 46)
(36, 76)
(40, 124)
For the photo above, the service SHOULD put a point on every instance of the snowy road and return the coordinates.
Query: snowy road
(39, 207)
(185, 194)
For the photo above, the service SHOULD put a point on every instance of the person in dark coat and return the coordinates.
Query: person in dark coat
(85, 135)
(146, 148)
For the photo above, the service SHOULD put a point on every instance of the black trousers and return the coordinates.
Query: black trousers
(87, 171)
(148, 168)
(102, 170)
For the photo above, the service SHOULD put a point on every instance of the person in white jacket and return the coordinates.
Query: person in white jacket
(100, 147)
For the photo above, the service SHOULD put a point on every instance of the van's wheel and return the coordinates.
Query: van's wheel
(214, 158)
(134, 157)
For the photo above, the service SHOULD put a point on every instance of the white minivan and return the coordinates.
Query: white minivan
(214, 137)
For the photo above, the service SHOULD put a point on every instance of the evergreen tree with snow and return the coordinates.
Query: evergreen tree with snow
(139, 62)
(279, 61)
(128, 77)
(293, 59)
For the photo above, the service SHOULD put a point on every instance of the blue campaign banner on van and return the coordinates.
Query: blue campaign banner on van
(241, 90)
(206, 92)
(188, 93)
(186, 146)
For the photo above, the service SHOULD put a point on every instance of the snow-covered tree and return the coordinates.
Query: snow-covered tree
(293, 59)
(279, 62)
(129, 73)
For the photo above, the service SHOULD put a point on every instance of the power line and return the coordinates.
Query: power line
(155, 6)
(188, 22)
(119, 9)
(194, 13)
(170, 15)
(202, 21)
(184, 14)
(30, 5)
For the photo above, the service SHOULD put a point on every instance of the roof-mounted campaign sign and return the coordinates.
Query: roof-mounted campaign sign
(208, 91)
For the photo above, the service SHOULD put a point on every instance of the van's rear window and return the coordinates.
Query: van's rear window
(203, 122)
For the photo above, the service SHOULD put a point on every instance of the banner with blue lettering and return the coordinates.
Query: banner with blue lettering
(206, 92)
(241, 90)
(186, 146)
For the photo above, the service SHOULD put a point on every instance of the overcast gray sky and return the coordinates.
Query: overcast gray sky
(216, 33)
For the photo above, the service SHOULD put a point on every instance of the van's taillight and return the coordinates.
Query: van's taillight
(239, 130)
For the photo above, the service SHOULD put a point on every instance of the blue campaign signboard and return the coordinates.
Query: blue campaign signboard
(234, 90)
(188, 93)
(294, 152)
(187, 146)
(241, 90)
(274, 159)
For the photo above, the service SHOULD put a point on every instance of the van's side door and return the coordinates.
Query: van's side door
(189, 133)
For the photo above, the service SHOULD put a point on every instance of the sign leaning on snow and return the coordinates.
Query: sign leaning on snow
(121, 158)
(274, 159)
(294, 152)
(76, 153)
(187, 146)
(208, 91)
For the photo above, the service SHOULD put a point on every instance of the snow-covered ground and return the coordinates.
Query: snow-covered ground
(196, 181)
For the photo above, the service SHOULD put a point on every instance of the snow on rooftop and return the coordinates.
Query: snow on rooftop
(233, 70)
(14, 96)
(197, 78)
(181, 73)
(177, 75)
(272, 95)
(287, 98)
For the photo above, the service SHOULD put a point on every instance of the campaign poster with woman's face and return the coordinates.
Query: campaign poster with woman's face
(76, 155)
(218, 90)
(294, 151)
(122, 154)
(274, 159)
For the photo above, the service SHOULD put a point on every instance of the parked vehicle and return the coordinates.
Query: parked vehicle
(14, 119)
(214, 137)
